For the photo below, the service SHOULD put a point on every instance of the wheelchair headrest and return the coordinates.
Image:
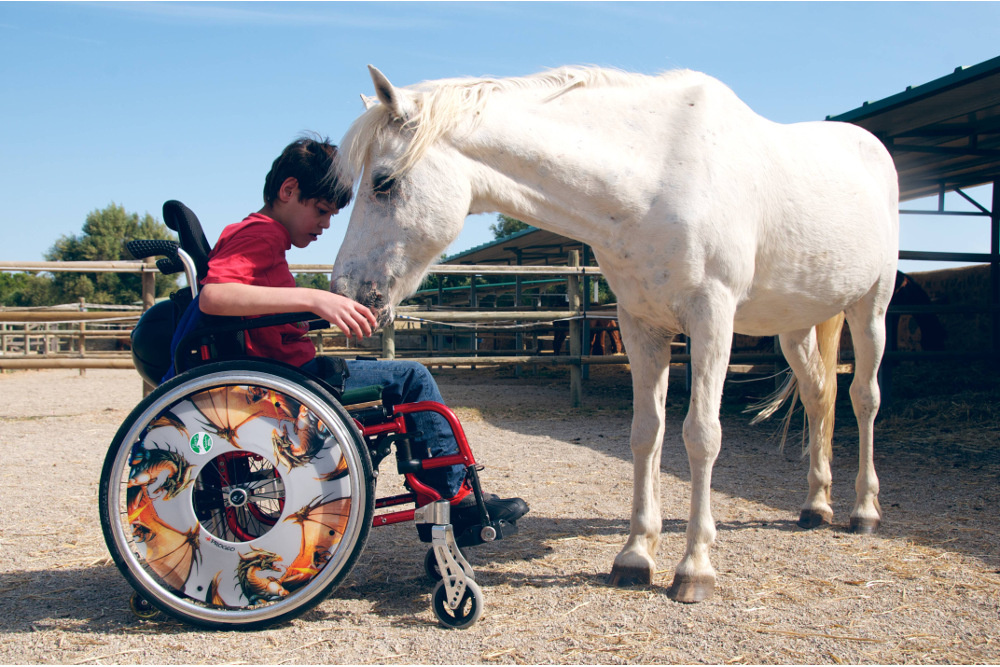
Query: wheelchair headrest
(182, 220)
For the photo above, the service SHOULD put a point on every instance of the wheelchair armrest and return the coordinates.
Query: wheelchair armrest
(170, 263)
(311, 319)
(174, 260)
(220, 324)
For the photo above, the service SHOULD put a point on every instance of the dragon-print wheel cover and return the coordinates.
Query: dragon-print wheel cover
(237, 496)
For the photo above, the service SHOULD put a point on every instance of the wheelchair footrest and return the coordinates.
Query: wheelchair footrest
(496, 530)
(472, 535)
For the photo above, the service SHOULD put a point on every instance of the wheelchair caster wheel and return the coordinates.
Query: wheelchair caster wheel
(141, 608)
(468, 611)
(433, 570)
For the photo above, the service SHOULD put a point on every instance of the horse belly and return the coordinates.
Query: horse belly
(776, 314)
(809, 288)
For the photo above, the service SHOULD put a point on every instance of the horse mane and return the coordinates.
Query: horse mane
(442, 105)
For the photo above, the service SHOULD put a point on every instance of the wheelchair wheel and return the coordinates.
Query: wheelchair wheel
(141, 608)
(468, 611)
(237, 495)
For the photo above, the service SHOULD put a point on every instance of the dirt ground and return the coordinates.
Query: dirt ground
(926, 589)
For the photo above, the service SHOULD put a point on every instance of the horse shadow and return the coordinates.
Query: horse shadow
(388, 578)
(959, 484)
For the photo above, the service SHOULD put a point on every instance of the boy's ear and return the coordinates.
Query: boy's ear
(288, 188)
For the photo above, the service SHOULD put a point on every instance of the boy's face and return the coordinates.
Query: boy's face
(305, 220)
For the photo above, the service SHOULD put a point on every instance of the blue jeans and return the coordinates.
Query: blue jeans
(408, 382)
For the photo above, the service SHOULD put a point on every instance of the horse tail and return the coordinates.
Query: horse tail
(828, 342)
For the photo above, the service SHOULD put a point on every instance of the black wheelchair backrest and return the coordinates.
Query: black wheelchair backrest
(182, 220)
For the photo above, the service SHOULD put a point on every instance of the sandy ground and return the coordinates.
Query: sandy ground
(926, 589)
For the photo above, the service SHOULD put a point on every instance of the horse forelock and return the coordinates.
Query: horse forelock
(443, 105)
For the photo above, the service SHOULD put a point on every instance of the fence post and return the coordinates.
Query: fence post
(575, 332)
(83, 338)
(519, 335)
(148, 300)
(389, 341)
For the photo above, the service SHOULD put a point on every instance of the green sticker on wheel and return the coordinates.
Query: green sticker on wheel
(201, 443)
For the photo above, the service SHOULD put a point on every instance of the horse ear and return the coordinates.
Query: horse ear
(369, 102)
(388, 95)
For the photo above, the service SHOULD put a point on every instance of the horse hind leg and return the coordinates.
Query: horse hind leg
(866, 319)
(812, 355)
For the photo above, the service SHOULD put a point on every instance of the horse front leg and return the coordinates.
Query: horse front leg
(711, 339)
(649, 358)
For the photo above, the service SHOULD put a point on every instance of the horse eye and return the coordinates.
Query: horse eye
(382, 183)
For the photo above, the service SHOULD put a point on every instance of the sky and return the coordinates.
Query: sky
(139, 103)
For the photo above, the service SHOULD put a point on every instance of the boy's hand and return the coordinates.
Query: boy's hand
(346, 314)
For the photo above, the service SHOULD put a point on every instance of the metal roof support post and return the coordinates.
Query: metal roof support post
(995, 268)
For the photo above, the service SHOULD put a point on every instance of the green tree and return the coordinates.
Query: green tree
(104, 235)
(314, 280)
(26, 289)
(506, 225)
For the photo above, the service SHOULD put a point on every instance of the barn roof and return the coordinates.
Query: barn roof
(533, 247)
(943, 135)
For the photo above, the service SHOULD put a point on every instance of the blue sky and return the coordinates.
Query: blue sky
(139, 103)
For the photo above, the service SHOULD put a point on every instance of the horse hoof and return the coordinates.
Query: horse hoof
(810, 519)
(691, 589)
(630, 576)
(862, 526)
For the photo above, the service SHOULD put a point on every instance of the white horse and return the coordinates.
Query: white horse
(705, 218)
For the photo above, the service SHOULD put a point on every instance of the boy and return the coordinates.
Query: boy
(248, 275)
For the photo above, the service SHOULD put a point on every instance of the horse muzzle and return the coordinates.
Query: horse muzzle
(368, 293)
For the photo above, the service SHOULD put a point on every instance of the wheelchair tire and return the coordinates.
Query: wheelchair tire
(237, 495)
(469, 609)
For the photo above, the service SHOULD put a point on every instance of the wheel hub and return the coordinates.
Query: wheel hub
(238, 498)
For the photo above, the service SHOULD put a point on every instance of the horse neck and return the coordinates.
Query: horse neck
(514, 176)
(573, 168)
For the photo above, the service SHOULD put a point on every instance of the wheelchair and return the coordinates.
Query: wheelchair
(240, 492)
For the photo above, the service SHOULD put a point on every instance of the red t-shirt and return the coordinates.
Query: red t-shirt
(252, 252)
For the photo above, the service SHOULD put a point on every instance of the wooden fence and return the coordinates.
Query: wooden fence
(68, 338)
(85, 336)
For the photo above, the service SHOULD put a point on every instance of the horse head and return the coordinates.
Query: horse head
(411, 200)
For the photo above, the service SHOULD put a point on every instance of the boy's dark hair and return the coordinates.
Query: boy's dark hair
(312, 161)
